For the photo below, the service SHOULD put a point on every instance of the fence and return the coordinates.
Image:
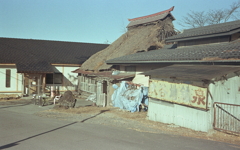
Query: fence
(87, 84)
(227, 117)
(88, 87)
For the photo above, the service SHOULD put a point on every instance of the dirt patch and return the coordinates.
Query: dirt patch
(137, 121)
(15, 101)
(4, 97)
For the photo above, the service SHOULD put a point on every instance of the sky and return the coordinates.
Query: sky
(90, 21)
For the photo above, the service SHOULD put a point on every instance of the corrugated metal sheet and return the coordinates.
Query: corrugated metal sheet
(185, 94)
(227, 117)
(226, 91)
(106, 74)
(183, 116)
(194, 72)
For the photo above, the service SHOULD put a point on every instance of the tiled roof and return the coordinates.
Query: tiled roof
(202, 53)
(150, 18)
(227, 28)
(38, 55)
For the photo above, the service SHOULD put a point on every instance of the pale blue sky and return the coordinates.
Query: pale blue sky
(91, 21)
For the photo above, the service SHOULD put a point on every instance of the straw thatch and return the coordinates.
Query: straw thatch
(140, 38)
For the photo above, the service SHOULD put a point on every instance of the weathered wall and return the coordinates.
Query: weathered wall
(142, 79)
(165, 112)
(226, 91)
(70, 80)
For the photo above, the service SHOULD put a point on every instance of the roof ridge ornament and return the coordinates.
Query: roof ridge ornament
(152, 15)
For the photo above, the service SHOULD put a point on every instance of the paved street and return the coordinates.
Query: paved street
(22, 130)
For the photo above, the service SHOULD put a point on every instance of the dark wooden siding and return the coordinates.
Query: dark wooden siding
(204, 41)
(8, 78)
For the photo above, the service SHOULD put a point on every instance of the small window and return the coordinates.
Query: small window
(55, 78)
(130, 68)
(8, 78)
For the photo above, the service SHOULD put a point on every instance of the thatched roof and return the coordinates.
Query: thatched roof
(142, 37)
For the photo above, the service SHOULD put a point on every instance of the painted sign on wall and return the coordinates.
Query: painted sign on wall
(178, 93)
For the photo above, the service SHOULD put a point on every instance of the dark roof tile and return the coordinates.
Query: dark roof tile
(210, 52)
(38, 55)
(207, 31)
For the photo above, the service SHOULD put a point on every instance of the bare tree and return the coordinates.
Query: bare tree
(198, 19)
(106, 42)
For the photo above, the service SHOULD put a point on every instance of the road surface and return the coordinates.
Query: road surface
(21, 129)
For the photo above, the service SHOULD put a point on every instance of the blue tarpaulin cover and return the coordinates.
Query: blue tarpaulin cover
(129, 98)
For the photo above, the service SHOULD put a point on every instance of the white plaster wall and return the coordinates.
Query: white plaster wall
(69, 76)
(16, 81)
(141, 79)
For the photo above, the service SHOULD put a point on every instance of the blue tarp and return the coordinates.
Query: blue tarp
(128, 98)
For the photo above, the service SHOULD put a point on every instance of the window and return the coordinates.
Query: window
(8, 78)
(55, 78)
(130, 68)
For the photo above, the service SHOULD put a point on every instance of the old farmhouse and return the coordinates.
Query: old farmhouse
(38, 66)
(145, 33)
(197, 83)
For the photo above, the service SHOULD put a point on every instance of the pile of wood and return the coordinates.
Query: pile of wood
(68, 100)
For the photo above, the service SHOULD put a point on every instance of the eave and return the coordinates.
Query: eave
(172, 62)
(203, 36)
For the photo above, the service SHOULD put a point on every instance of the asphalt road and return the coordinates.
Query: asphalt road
(20, 129)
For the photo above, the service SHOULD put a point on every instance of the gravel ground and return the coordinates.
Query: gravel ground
(111, 116)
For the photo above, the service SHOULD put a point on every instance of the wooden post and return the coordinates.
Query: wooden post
(29, 85)
(23, 84)
(43, 82)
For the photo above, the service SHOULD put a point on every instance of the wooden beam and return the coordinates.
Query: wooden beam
(77, 65)
(10, 91)
(8, 64)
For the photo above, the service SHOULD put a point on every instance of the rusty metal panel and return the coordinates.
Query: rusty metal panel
(178, 93)
(227, 117)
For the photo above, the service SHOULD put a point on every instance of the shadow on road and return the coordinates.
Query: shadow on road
(102, 111)
(15, 105)
(17, 142)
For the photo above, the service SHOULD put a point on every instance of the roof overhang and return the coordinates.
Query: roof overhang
(106, 74)
(170, 62)
(195, 72)
(38, 67)
(70, 65)
(201, 36)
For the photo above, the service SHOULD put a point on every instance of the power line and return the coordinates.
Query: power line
(10, 76)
